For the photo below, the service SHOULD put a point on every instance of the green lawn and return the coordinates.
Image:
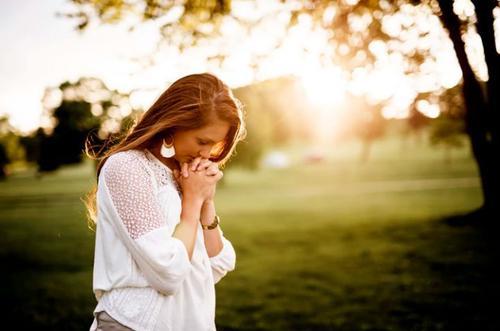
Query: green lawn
(337, 245)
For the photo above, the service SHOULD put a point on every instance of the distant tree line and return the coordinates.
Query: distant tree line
(276, 111)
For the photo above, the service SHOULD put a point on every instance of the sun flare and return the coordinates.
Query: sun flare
(324, 87)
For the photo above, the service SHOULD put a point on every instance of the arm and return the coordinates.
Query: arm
(130, 204)
(213, 238)
(196, 187)
(219, 249)
(186, 229)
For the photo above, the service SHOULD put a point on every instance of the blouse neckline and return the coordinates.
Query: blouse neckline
(155, 159)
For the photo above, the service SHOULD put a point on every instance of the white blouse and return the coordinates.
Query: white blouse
(143, 277)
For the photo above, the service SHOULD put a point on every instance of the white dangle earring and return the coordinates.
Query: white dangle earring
(167, 150)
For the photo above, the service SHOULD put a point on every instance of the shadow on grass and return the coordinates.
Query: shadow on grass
(415, 275)
(458, 255)
(479, 218)
(424, 275)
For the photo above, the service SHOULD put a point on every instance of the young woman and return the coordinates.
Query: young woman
(159, 249)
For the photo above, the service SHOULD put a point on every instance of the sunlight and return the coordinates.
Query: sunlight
(324, 87)
(431, 110)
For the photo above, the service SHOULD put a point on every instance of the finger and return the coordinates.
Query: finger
(204, 164)
(212, 169)
(212, 172)
(195, 163)
(185, 171)
(214, 166)
(176, 174)
(219, 175)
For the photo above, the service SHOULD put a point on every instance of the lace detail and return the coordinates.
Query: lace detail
(163, 174)
(132, 193)
(136, 305)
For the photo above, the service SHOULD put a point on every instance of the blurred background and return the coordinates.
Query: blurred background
(364, 197)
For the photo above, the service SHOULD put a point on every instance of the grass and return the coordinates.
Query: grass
(337, 245)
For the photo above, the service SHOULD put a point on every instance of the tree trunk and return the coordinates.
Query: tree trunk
(479, 120)
(485, 28)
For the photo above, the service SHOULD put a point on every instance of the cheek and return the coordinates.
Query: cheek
(187, 148)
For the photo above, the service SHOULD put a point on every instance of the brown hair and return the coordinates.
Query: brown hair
(189, 103)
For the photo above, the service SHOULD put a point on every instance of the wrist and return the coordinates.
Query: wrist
(208, 203)
(193, 200)
(212, 225)
(207, 212)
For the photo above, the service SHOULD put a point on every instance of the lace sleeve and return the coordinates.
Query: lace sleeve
(131, 191)
(141, 223)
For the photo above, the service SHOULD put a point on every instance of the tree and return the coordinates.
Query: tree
(4, 159)
(274, 115)
(10, 147)
(417, 121)
(3, 162)
(447, 132)
(357, 32)
(482, 119)
(77, 111)
(366, 123)
(448, 129)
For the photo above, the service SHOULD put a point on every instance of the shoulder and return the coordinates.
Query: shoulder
(125, 162)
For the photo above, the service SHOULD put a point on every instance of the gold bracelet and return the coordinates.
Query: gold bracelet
(213, 225)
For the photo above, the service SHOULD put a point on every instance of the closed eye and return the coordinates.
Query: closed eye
(201, 142)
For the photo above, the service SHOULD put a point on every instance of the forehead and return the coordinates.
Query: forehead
(215, 131)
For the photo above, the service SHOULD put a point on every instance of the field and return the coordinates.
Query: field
(334, 245)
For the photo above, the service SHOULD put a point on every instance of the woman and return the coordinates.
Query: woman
(159, 249)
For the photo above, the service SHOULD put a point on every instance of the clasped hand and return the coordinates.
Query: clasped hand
(198, 179)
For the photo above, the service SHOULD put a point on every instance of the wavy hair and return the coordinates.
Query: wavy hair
(189, 103)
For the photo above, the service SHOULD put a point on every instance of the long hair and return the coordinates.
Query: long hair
(189, 103)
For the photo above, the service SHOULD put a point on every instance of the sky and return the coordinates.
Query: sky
(41, 50)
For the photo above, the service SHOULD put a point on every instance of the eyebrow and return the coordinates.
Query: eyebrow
(207, 140)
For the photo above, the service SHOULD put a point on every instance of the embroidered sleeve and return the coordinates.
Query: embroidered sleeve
(131, 190)
(163, 259)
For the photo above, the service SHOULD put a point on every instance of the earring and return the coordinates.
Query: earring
(167, 150)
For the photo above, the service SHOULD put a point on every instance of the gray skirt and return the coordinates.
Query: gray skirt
(108, 323)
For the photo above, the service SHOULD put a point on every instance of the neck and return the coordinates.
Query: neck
(169, 162)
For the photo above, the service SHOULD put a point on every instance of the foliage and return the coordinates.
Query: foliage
(77, 111)
(449, 128)
(417, 121)
(275, 116)
(193, 19)
(447, 131)
(365, 122)
(362, 33)
(10, 146)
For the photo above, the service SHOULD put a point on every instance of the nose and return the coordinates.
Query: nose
(205, 152)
